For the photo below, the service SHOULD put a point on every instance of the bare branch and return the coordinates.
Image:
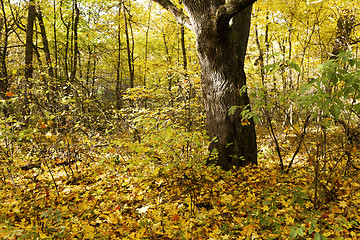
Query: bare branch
(178, 14)
(227, 11)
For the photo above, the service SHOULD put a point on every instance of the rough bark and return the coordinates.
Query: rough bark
(67, 43)
(29, 49)
(183, 48)
(130, 55)
(345, 26)
(45, 43)
(29, 40)
(55, 40)
(1, 24)
(222, 31)
(76, 43)
(147, 43)
(3, 49)
(118, 66)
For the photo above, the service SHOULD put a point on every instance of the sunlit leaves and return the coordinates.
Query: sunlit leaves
(337, 88)
(296, 231)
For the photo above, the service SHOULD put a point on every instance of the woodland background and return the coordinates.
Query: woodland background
(102, 130)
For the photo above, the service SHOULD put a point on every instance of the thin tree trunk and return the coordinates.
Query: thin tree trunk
(183, 48)
(45, 44)
(146, 43)
(88, 68)
(168, 57)
(118, 65)
(93, 78)
(129, 53)
(29, 41)
(3, 66)
(2, 79)
(182, 40)
(76, 44)
(67, 42)
(51, 94)
(290, 76)
(29, 56)
(55, 41)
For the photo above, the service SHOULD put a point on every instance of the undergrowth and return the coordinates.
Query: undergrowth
(159, 187)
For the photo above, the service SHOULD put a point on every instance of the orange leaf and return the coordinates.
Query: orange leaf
(175, 218)
(112, 150)
(353, 149)
(245, 122)
(248, 229)
(9, 94)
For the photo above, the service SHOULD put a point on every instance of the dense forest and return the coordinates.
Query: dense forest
(208, 119)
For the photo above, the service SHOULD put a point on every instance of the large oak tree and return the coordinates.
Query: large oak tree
(222, 30)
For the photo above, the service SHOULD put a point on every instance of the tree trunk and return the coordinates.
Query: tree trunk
(55, 40)
(221, 57)
(29, 40)
(51, 84)
(146, 44)
(183, 48)
(119, 102)
(88, 69)
(130, 53)
(93, 90)
(222, 31)
(76, 43)
(345, 26)
(45, 44)
(3, 50)
(67, 43)
(29, 56)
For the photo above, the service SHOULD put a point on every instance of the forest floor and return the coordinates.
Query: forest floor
(121, 191)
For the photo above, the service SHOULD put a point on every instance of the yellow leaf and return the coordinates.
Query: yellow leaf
(227, 198)
(342, 204)
(335, 209)
(225, 237)
(140, 233)
(248, 229)
(89, 231)
(42, 235)
(265, 208)
(16, 210)
(112, 150)
(32, 186)
(132, 235)
(156, 226)
(289, 220)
